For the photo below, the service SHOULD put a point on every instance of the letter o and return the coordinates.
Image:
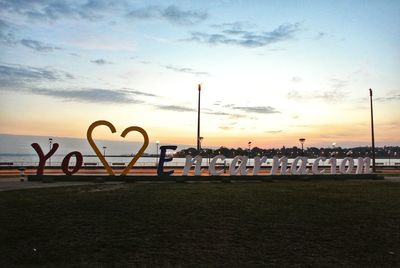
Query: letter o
(67, 158)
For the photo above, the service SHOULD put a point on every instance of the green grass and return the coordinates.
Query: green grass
(328, 223)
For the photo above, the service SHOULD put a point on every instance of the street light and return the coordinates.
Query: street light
(249, 144)
(104, 150)
(302, 140)
(389, 156)
(198, 121)
(372, 131)
(200, 141)
(50, 141)
(157, 144)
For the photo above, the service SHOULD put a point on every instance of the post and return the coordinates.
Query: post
(157, 144)
(50, 140)
(302, 140)
(249, 144)
(372, 132)
(198, 121)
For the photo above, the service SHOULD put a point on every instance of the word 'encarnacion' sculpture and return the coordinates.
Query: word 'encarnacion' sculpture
(238, 166)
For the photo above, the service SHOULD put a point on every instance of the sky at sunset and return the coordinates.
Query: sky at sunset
(271, 71)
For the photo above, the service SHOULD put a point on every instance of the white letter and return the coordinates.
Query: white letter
(257, 164)
(233, 171)
(189, 162)
(332, 161)
(364, 163)
(342, 167)
(316, 165)
(276, 162)
(211, 169)
(302, 167)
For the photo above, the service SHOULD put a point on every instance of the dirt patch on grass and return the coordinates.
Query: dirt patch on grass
(104, 188)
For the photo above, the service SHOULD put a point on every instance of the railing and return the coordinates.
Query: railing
(167, 164)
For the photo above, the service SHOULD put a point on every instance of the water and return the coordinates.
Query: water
(32, 160)
(17, 149)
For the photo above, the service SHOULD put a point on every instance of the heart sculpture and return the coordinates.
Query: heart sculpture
(123, 134)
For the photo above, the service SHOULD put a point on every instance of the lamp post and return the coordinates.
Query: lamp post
(50, 141)
(302, 140)
(200, 141)
(104, 151)
(157, 144)
(198, 121)
(389, 156)
(372, 132)
(249, 144)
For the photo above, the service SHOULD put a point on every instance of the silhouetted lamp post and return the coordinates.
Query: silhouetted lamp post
(198, 122)
(372, 132)
(249, 144)
(157, 144)
(50, 141)
(302, 140)
(200, 141)
(389, 156)
(104, 150)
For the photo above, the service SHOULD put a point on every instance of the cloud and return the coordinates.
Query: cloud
(273, 131)
(393, 95)
(237, 116)
(175, 108)
(7, 37)
(224, 127)
(91, 95)
(257, 109)
(54, 10)
(171, 14)
(235, 35)
(296, 79)
(217, 113)
(184, 70)
(327, 96)
(140, 93)
(101, 62)
(37, 45)
(321, 35)
(16, 75)
(339, 83)
(6, 33)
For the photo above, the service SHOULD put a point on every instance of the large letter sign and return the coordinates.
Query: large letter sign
(238, 166)
(123, 134)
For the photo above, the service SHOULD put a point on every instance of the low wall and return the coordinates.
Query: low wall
(150, 178)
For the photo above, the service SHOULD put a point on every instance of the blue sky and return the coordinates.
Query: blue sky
(272, 71)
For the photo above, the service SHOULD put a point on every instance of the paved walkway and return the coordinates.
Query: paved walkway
(14, 183)
(17, 183)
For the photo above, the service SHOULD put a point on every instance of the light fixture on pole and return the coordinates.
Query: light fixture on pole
(200, 142)
(157, 144)
(104, 150)
(198, 121)
(302, 140)
(249, 145)
(372, 132)
(50, 141)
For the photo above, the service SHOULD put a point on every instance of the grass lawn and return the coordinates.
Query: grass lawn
(328, 223)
